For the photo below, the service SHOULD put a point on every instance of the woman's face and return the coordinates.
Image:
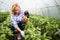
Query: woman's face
(17, 10)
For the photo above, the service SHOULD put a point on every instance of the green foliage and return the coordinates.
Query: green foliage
(5, 32)
(3, 16)
(45, 27)
(37, 28)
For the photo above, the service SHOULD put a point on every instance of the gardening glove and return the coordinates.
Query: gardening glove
(22, 34)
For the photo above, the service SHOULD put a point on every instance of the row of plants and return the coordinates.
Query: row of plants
(5, 32)
(49, 28)
(3, 16)
(37, 28)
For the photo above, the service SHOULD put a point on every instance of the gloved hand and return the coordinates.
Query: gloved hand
(22, 34)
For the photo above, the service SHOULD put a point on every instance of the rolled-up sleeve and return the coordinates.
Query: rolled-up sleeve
(14, 22)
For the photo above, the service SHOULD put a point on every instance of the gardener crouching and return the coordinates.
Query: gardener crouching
(18, 18)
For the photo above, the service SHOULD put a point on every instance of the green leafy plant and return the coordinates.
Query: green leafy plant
(37, 28)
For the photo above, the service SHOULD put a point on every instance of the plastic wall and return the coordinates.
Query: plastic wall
(50, 8)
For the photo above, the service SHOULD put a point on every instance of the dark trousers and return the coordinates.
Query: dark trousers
(21, 25)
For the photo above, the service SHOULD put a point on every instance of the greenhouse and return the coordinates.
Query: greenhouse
(43, 22)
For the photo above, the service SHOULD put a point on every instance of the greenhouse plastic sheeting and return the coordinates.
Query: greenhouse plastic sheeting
(50, 8)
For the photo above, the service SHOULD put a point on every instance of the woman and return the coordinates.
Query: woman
(18, 18)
